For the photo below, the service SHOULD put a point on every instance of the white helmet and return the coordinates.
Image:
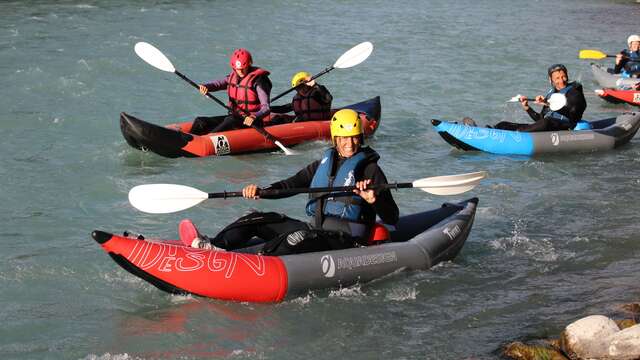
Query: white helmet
(633, 38)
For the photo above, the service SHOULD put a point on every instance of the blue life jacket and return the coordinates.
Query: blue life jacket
(554, 114)
(344, 206)
(632, 66)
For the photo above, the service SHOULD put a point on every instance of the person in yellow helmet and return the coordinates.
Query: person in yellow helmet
(339, 220)
(312, 101)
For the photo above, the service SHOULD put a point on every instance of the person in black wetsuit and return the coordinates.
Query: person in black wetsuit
(340, 220)
(312, 101)
(565, 118)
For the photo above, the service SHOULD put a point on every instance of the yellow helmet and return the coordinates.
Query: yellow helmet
(298, 78)
(346, 122)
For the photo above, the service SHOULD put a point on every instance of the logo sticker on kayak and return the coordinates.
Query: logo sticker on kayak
(452, 232)
(328, 266)
(221, 144)
(555, 139)
(636, 98)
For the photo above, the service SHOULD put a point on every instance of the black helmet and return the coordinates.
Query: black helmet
(555, 67)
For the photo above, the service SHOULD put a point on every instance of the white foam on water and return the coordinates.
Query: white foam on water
(352, 291)
(402, 293)
(108, 356)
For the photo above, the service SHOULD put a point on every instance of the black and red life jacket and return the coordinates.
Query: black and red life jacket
(242, 91)
(308, 107)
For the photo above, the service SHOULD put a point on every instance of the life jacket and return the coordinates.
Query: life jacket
(243, 96)
(307, 107)
(632, 66)
(345, 207)
(555, 115)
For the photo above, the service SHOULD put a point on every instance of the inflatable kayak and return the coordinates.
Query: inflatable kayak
(620, 96)
(600, 135)
(607, 79)
(419, 241)
(175, 141)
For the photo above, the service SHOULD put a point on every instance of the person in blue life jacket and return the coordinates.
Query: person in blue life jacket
(340, 220)
(565, 118)
(312, 101)
(628, 60)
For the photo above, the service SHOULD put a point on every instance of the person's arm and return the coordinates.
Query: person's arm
(384, 206)
(216, 85)
(621, 60)
(263, 88)
(576, 104)
(533, 114)
(322, 94)
(282, 109)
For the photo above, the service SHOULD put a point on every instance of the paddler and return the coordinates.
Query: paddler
(248, 88)
(628, 60)
(340, 220)
(312, 101)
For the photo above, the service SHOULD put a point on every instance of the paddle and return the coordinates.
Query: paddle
(593, 54)
(168, 198)
(556, 101)
(154, 57)
(352, 57)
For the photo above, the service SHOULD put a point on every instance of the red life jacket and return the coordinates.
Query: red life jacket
(307, 107)
(242, 92)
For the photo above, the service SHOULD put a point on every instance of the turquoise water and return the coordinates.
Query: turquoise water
(555, 237)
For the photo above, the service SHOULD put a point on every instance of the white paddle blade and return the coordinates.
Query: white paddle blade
(165, 198)
(515, 98)
(557, 101)
(450, 184)
(153, 57)
(284, 149)
(354, 56)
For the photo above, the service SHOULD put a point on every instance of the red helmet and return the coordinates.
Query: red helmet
(240, 59)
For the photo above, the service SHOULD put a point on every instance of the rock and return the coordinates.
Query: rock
(626, 323)
(520, 351)
(625, 344)
(588, 338)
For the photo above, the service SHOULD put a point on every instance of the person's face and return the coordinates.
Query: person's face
(347, 146)
(558, 79)
(635, 45)
(242, 72)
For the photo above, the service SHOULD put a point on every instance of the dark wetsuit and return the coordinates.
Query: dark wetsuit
(630, 63)
(544, 121)
(330, 234)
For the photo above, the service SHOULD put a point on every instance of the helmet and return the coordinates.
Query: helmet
(299, 77)
(240, 59)
(633, 38)
(557, 67)
(345, 122)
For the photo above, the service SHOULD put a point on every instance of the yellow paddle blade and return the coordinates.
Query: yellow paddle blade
(591, 54)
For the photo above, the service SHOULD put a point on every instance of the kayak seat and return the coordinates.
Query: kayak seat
(583, 125)
(379, 235)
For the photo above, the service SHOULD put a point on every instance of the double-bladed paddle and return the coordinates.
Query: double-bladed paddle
(556, 101)
(154, 57)
(168, 198)
(350, 58)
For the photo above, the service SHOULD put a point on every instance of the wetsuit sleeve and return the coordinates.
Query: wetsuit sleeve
(533, 114)
(385, 207)
(576, 104)
(263, 88)
(322, 95)
(217, 85)
(302, 179)
(618, 68)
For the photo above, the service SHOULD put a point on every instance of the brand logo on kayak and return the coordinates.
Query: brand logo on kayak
(328, 266)
(353, 262)
(626, 125)
(555, 139)
(221, 144)
(452, 232)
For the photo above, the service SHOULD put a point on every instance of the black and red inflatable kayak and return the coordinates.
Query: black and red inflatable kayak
(418, 241)
(174, 140)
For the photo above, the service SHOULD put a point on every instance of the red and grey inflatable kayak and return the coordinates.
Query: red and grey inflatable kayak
(418, 241)
(175, 141)
(620, 96)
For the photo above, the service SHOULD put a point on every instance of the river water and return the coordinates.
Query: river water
(555, 237)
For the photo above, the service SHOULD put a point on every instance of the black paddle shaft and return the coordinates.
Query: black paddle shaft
(294, 191)
(262, 131)
(293, 88)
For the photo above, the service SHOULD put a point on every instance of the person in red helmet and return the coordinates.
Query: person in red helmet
(248, 88)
